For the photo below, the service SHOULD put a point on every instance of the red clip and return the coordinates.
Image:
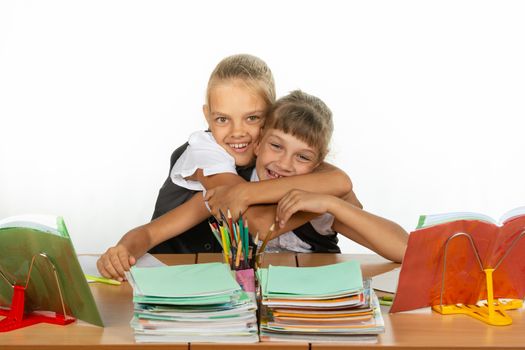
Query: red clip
(16, 318)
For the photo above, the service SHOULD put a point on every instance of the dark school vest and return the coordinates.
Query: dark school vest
(199, 238)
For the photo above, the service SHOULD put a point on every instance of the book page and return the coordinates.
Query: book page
(46, 223)
(386, 282)
(436, 219)
(511, 214)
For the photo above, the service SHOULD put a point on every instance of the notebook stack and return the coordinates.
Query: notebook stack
(318, 304)
(191, 303)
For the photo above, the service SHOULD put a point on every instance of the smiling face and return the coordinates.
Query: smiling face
(280, 154)
(235, 115)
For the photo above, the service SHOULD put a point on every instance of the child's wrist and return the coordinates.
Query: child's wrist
(333, 203)
(243, 194)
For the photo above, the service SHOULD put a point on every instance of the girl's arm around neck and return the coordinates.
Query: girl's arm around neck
(327, 179)
(222, 179)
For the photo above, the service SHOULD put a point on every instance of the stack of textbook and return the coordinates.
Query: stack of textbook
(317, 304)
(191, 303)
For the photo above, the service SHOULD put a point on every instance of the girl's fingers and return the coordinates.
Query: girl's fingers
(114, 262)
(209, 194)
(117, 266)
(287, 208)
(123, 258)
(283, 203)
(291, 208)
(102, 269)
(106, 269)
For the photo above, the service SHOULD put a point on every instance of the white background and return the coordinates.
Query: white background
(428, 99)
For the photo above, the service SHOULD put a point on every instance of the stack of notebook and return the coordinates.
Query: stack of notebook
(191, 303)
(327, 303)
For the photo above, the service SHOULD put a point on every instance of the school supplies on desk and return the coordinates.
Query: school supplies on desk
(318, 304)
(466, 259)
(191, 303)
(386, 300)
(237, 248)
(99, 279)
(261, 246)
(40, 277)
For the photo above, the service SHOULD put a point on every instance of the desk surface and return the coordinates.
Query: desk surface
(421, 329)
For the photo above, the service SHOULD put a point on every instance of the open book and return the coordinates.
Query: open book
(431, 220)
(497, 242)
(24, 237)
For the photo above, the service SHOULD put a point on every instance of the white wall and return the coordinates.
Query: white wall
(428, 100)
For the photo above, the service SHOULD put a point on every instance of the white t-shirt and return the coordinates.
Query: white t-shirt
(204, 153)
(289, 242)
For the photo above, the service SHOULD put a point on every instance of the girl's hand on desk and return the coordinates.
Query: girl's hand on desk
(114, 262)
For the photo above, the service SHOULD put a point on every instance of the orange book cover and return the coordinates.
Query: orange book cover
(421, 274)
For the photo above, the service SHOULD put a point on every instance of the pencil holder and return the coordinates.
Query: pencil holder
(246, 279)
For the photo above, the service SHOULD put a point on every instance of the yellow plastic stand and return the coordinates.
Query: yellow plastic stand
(491, 311)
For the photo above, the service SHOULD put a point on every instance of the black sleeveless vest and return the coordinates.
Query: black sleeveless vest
(199, 238)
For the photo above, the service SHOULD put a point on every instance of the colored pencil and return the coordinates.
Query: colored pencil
(230, 223)
(263, 246)
(246, 239)
(238, 258)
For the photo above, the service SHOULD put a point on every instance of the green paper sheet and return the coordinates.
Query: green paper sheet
(332, 279)
(182, 281)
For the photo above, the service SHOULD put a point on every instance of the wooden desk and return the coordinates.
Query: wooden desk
(414, 330)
